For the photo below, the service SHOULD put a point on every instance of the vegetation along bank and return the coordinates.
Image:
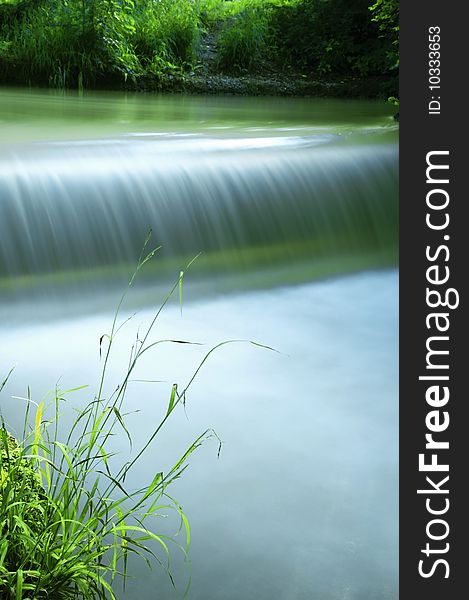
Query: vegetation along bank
(287, 47)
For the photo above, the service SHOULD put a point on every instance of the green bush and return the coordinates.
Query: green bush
(386, 15)
(330, 37)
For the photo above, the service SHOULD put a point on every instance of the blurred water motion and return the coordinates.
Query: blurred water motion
(79, 206)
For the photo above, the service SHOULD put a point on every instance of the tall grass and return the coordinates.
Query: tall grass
(244, 37)
(91, 41)
(166, 34)
(68, 521)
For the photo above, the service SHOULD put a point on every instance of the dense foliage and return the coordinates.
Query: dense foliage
(77, 42)
(332, 36)
(67, 43)
(386, 14)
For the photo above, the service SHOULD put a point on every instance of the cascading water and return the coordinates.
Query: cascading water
(83, 205)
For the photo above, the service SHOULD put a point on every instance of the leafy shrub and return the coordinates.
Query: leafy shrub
(330, 36)
(386, 15)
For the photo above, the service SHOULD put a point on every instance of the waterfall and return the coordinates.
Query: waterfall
(82, 205)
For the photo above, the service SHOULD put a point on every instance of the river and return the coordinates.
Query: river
(293, 205)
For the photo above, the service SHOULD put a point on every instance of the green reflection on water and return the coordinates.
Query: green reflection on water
(38, 115)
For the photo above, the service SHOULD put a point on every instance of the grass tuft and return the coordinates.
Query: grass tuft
(68, 521)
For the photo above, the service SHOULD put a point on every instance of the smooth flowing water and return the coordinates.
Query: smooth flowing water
(278, 195)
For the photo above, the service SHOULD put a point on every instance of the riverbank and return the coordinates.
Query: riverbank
(276, 84)
(242, 47)
(273, 84)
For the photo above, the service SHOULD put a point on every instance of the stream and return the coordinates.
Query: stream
(293, 207)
